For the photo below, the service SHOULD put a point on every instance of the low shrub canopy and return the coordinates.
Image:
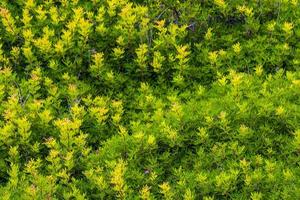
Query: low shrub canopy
(163, 99)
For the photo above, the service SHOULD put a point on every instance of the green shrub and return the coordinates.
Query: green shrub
(165, 99)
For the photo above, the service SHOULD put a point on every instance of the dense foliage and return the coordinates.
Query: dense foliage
(162, 99)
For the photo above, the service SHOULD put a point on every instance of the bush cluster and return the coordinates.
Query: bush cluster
(162, 99)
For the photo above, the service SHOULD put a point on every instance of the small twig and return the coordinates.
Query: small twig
(177, 15)
(159, 16)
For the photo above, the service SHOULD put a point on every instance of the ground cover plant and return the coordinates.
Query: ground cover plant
(162, 99)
